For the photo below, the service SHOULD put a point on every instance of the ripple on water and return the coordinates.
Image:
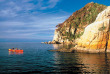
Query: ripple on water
(36, 59)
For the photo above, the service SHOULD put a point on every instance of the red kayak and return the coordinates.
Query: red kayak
(15, 50)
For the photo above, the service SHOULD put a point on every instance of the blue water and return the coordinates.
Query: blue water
(37, 59)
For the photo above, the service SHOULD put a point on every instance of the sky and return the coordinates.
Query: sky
(35, 20)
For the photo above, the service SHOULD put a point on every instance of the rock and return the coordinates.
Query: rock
(52, 42)
(46, 42)
(49, 42)
(42, 42)
(73, 27)
(96, 35)
(56, 35)
(55, 42)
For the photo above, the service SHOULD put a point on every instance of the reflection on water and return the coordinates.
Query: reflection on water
(95, 62)
(17, 53)
(37, 59)
(66, 62)
(59, 46)
(82, 62)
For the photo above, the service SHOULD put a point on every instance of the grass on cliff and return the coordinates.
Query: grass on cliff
(79, 19)
(102, 28)
(78, 35)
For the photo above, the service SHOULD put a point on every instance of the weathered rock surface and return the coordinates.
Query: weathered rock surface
(73, 27)
(96, 35)
(51, 42)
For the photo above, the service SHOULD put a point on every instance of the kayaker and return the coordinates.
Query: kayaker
(12, 48)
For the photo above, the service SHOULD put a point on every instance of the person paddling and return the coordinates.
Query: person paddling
(12, 48)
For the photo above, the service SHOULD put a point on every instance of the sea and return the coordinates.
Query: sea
(37, 58)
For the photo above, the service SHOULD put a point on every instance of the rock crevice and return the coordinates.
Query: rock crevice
(73, 27)
(96, 35)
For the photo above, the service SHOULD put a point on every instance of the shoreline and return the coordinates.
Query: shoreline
(81, 50)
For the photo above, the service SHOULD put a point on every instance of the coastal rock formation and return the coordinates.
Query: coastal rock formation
(74, 26)
(51, 42)
(97, 35)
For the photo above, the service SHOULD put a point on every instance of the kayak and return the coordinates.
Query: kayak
(15, 50)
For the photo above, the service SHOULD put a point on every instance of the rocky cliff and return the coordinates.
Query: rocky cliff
(74, 26)
(97, 34)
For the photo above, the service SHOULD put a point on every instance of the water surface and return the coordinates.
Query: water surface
(37, 59)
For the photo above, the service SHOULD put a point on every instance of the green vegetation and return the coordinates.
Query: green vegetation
(102, 28)
(79, 35)
(79, 20)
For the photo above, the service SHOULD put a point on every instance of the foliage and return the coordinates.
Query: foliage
(102, 28)
(82, 17)
(79, 35)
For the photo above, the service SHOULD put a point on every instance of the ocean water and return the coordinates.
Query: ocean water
(37, 59)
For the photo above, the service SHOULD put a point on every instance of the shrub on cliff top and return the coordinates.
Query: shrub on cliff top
(82, 18)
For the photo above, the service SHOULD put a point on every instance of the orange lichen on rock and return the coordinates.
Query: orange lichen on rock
(96, 35)
(73, 27)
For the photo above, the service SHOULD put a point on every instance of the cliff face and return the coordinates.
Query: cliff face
(97, 35)
(74, 26)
